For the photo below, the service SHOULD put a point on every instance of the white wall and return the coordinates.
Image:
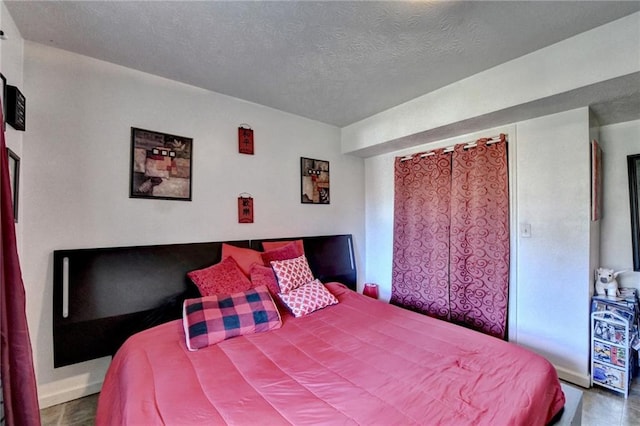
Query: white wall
(76, 177)
(549, 289)
(553, 266)
(617, 142)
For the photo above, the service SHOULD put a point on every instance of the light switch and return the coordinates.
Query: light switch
(525, 230)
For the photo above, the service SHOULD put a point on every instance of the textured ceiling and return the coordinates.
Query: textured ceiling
(336, 62)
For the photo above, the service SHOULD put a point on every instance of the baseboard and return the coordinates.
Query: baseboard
(52, 394)
(581, 380)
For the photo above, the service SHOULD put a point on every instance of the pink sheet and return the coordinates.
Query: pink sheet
(359, 362)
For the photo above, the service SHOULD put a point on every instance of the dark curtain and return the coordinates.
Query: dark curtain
(479, 268)
(18, 378)
(451, 235)
(422, 202)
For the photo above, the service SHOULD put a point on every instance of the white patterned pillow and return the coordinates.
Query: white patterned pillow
(292, 273)
(308, 298)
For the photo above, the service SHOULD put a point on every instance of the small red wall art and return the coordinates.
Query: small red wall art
(245, 140)
(245, 209)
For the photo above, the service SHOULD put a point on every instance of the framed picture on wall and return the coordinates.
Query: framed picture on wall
(4, 101)
(596, 181)
(161, 165)
(314, 181)
(633, 163)
(14, 180)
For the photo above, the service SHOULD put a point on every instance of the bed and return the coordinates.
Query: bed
(357, 361)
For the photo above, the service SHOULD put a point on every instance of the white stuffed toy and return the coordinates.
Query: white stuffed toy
(606, 283)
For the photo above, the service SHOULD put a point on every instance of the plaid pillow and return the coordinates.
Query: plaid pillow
(212, 319)
(292, 273)
(308, 298)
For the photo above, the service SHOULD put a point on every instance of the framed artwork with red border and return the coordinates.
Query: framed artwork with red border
(314, 181)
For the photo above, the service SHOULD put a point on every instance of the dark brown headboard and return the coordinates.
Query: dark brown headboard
(112, 293)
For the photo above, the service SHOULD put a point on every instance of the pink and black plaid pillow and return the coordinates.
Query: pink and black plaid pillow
(212, 319)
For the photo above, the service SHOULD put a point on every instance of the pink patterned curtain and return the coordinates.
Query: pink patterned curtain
(421, 234)
(17, 374)
(451, 236)
(479, 266)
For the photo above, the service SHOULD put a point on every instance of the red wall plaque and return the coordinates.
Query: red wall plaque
(245, 210)
(245, 140)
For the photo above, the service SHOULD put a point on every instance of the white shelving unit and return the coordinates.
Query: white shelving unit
(611, 351)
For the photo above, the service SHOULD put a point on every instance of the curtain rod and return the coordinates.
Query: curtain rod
(471, 144)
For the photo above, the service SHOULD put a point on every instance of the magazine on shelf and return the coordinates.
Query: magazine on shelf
(623, 308)
(608, 375)
(610, 354)
(611, 332)
(635, 342)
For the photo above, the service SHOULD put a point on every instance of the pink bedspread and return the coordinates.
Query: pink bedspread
(359, 362)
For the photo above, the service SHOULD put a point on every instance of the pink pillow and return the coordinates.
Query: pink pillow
(244, 257)
(308, 298)
(288, 251)
(222, 278)
(212, 319)
(272, 245)
(292, 273)
(264, 275)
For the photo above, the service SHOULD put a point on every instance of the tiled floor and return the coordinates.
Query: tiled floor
(601, 407)
(79, 412)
